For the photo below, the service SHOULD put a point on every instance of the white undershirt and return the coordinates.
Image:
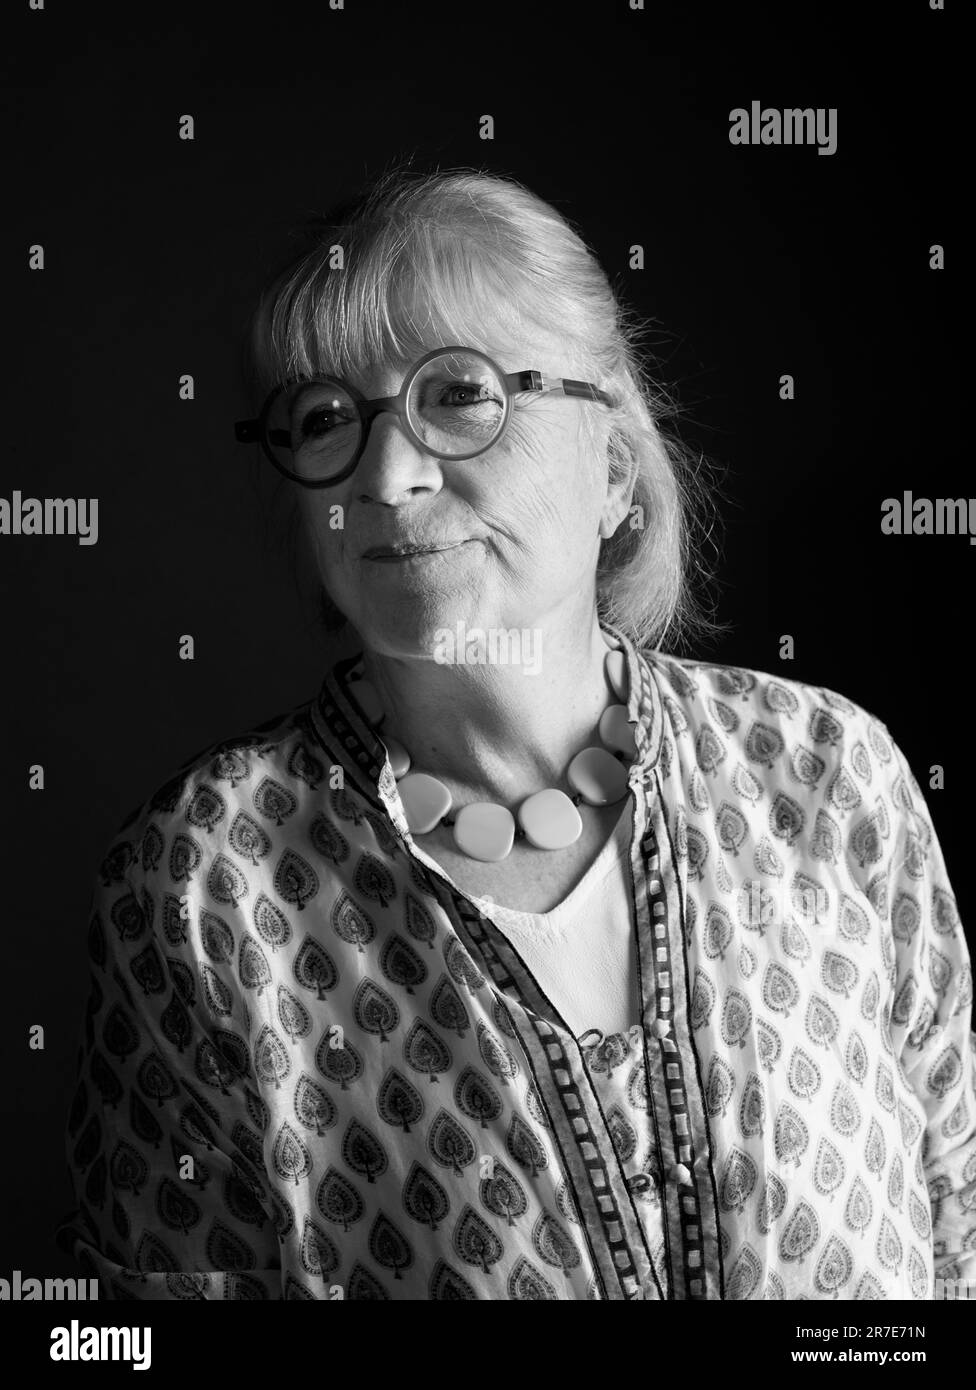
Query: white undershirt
(583, 953)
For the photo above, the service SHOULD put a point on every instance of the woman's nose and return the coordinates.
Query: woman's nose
(392, 466)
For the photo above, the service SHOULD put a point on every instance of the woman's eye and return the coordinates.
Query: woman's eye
(468, 393)
(319, 422)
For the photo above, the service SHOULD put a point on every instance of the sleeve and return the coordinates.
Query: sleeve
(931, 1026)
(165, 1132)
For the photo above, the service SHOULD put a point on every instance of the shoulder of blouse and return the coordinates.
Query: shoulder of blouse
(222, 775)
(739, 702)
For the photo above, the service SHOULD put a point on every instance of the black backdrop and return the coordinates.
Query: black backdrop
(760, 261)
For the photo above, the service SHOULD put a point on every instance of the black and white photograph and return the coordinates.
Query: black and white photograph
(487, 570)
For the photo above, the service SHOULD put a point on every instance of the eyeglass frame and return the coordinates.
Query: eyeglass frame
(515, 383)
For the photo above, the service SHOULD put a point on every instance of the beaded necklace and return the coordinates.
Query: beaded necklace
(549, 819)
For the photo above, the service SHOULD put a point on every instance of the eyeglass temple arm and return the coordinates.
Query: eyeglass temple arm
(535, 381)
(249, 432)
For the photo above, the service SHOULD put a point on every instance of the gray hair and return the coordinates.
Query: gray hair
(484, 254)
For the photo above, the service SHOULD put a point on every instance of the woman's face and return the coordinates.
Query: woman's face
(520, 524)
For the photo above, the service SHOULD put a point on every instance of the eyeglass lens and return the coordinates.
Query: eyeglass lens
(456, 405)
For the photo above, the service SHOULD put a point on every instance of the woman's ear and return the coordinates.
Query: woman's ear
(622, 477)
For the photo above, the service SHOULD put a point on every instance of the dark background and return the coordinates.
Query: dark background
(759, 261)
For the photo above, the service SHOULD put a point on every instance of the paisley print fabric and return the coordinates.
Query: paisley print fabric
(311, 1068)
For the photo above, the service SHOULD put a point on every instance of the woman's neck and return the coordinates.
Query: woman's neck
(497, 730)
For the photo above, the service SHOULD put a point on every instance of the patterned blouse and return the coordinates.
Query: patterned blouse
(311, 1068)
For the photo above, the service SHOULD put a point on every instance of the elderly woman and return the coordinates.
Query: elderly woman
(523, 961)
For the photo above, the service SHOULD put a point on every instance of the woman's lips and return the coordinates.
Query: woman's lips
(399, 557)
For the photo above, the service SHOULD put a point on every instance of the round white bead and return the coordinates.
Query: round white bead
(425, 801)
(398, 756)
(598, 776)
(484, 830)
(615, 666)
(616, 731)
(550, 820)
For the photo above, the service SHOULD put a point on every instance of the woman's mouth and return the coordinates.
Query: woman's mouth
(399, 554)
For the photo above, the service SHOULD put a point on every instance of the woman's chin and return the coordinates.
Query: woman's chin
(404, 629)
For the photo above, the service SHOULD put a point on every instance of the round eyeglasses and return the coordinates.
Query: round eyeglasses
(454, 404)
